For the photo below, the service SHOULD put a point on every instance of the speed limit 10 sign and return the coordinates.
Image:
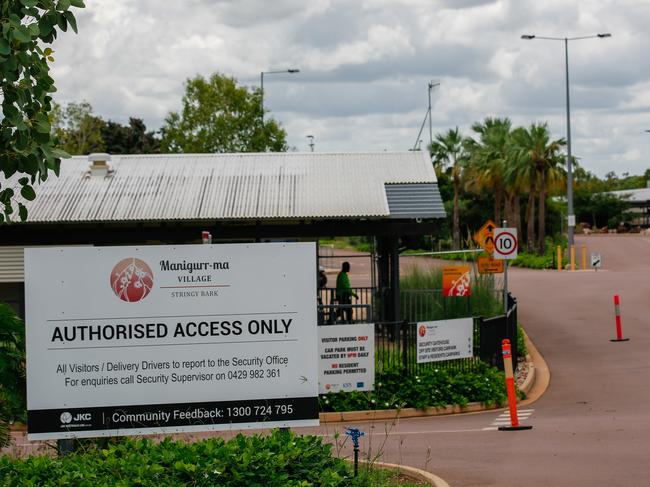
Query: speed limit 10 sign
(505, 243)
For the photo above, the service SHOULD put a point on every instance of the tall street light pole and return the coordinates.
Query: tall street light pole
(569, 162)
(290, 71)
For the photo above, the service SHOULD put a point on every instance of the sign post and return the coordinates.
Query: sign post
(166, 339)
(596, 261)
(505, 248)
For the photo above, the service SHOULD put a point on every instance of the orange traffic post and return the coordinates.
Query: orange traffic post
(619, 328)
(559, 257)
(573, 257)
(510, 389)
(584, 257)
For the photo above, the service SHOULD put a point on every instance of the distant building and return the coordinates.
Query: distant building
(639, 200)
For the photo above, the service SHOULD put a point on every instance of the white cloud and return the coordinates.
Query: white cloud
(365, 66)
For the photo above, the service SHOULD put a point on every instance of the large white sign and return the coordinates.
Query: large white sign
(347, 357)
(445, 340)
(505, 243)
(161, 339)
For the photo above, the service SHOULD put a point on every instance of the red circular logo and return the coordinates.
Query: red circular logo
(131, 279)
(422, 330)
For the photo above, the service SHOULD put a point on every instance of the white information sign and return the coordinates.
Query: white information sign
(162, 339)
(596, 261)
(445, 340)
(505, 243)
(347, 358)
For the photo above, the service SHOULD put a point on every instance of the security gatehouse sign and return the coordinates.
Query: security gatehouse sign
(445, 340)
(164, 339)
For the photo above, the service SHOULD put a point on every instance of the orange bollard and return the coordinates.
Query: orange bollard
(510, 389)
(619, 328)
(573, 257)
(584, 257)
(559, 258)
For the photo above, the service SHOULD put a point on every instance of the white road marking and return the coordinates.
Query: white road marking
(503, 419)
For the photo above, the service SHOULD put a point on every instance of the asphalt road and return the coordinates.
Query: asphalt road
(592, 426)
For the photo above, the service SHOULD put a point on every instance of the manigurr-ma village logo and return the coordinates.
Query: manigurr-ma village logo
(132, 279)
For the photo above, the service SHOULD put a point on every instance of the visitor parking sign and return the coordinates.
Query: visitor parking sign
(164, 339)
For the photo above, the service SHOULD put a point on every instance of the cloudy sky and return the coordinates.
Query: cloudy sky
(365, 66)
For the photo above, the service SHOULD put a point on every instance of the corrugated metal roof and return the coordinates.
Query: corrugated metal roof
(415, 201)
(12, 266)
(641, 195)
(228, 186)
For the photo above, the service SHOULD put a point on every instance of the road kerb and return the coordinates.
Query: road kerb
(413, 473)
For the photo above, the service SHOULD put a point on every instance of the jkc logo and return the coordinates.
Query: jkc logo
(131, 280)
(67, 418)
(422, 330)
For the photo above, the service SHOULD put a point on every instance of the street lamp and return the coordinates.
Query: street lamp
(290, 71)
(569, 192)
(311, 142)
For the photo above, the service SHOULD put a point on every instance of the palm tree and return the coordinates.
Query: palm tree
(525, 172)
(448, 151)
(490, 155)
(537, 152)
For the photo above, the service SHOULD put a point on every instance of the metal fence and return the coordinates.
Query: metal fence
(396, 342)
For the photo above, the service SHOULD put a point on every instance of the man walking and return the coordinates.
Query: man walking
(344, 293)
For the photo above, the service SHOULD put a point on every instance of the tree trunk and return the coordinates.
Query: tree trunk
(541, 219)
(530, 220)
(498, 195)
(507, 210)
(517, 222)
(456, 217)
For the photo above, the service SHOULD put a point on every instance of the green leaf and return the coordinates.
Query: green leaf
(22, 212)
(77, 3)
(71, 20)
(5, 48)
(60, 153)
(63, 4)
(29, 3)
(34, 30)
(23, 181)
(62, 23)
(22, 34)
(28, 192)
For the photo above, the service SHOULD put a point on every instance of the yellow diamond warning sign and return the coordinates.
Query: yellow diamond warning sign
(484, 238)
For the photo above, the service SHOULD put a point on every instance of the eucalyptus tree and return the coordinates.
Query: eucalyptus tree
(448, 151)
(218, 115)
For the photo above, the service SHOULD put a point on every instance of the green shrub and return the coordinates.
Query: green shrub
(279, 459)
(430, 388)
(521, 342)
(12, 363)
